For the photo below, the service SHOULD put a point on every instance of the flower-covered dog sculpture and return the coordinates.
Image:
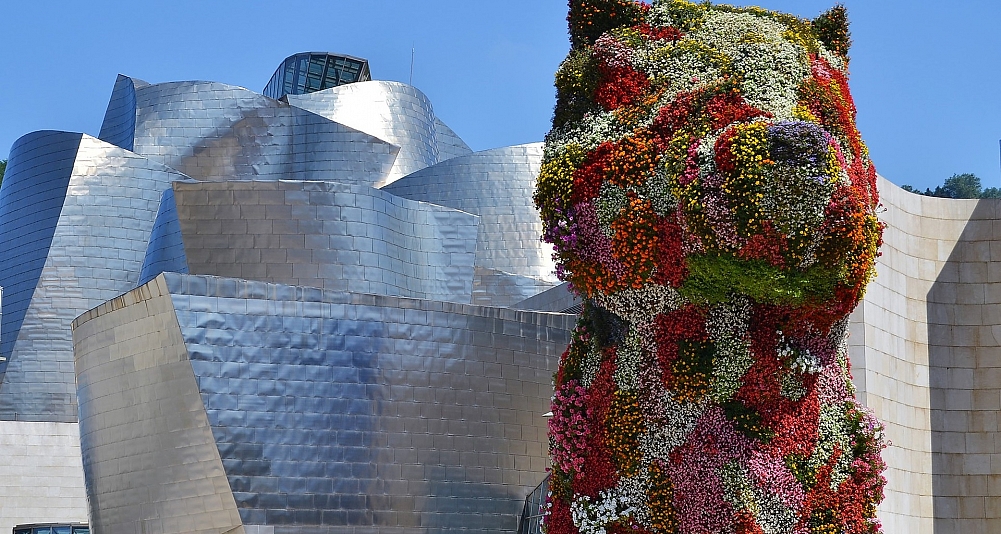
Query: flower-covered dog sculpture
(709, 197)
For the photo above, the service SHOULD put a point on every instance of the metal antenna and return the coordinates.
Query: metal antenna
(411, 65)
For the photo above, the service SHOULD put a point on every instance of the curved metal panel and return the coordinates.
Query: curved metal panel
(119, 126)
(335, 411)
(394, 112)
(556, 299)
(213, 131)
(165, 252)
(95, 253)
(497, 185)
(31, 199)
(150, 461)
(450, 145)
(329, 235)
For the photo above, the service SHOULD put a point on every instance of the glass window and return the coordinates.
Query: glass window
(41, 530)
(62, 530)
(81, 530)
(316, 65)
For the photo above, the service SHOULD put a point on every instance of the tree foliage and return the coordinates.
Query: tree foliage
(966, 185)
(3, 168)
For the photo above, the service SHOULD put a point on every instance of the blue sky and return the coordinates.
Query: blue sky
(925, 75)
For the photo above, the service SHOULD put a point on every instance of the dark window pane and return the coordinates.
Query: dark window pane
(316, 65)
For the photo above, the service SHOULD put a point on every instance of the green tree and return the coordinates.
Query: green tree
(3, 168)
(991, 192)
(966, 185)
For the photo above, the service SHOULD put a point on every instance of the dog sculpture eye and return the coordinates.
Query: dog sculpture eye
(709, 197)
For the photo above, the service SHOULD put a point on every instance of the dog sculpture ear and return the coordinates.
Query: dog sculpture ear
(831, 29)
(588, 19)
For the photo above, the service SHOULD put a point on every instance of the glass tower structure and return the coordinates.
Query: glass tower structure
(307, 72)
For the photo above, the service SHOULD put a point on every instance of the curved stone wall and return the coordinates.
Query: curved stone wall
(925, 355)
(330, 411)
(41, 475)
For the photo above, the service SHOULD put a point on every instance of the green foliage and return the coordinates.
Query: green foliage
(800, 467)
(588, 19)
(714, 279)
(966, 185)
(3, 168)
(831, 28)
(747, 420)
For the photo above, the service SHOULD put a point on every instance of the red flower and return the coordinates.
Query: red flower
(559, 520)
(768, 245)
(620, 86)
(587, 179)
(727, 108)
(670, 258)
(670, 33)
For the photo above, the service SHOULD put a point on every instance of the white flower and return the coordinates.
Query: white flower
(726, 324)
(592, 517)
(660, 439)
(609, 204)
(590, 131)
(641, 305)
(627, 361)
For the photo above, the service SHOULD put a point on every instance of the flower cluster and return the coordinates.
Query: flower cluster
(708, 195)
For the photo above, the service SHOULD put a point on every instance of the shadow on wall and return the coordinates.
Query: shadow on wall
(964, 328)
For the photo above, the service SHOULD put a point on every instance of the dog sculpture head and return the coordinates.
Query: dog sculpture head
(701, 151)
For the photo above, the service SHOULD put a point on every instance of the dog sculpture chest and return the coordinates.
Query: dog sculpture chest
(709, 197)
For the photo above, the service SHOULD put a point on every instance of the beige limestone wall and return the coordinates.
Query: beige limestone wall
(926, 359)
(41, 474)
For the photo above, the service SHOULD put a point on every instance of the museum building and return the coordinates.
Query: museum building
(317, 310)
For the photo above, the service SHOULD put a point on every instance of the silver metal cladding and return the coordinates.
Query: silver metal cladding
(215, 132)
(327, 235)
(394, 112)
(76, 214)
(328, 409)
(511, 262)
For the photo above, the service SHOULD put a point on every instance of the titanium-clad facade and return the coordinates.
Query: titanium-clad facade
(329, 410)
(216, 132)
(76, 215)
(334, 377)
(512, 264)
(324, 234)
(394, 112)
(119, 126)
